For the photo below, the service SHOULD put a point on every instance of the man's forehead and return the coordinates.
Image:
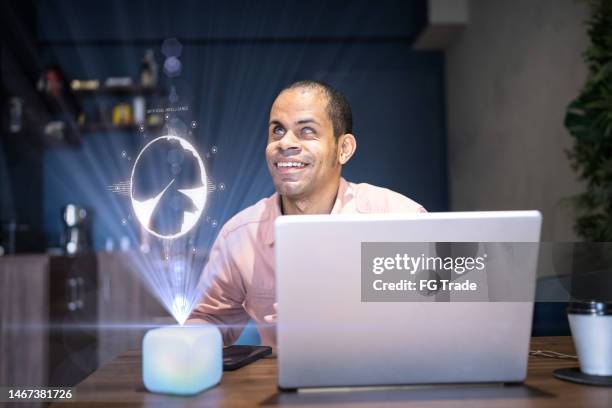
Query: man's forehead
(298, 101)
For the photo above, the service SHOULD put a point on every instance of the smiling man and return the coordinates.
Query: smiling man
(309, 141)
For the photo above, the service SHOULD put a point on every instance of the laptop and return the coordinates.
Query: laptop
(327, 336)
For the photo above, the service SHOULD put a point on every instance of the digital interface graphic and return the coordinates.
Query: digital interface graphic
(169, 205)
(168, 189)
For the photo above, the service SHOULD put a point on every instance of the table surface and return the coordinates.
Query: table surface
(120, 381)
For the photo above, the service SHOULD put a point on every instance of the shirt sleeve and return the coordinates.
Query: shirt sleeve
(223, 294)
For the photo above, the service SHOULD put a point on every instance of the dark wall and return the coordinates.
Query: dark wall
(73, 20)
(236, 57)
(21, 158)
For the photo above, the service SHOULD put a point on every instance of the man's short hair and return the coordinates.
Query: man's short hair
(338, 108)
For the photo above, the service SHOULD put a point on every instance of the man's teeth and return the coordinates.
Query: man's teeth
(290, 164)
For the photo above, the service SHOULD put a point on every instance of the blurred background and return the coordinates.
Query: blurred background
(458, 104)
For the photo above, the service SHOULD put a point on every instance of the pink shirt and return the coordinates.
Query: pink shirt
(239, 282)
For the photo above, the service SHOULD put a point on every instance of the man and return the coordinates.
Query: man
(309, 140)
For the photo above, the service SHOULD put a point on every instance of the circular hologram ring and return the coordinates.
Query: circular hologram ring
(169, 200)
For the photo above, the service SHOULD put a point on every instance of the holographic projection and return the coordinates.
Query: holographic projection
(168, 189)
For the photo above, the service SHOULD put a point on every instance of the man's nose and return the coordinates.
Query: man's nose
(289, 141)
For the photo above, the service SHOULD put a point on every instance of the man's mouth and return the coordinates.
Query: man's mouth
(290, 165)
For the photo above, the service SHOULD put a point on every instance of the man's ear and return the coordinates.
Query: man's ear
(347, 144)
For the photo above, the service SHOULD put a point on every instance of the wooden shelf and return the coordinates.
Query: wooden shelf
(70, 104)
(121, 90)
(108, 127)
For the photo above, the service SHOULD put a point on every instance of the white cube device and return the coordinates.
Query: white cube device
(182, 360)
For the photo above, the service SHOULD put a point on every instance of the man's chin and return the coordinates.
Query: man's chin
(291, 189)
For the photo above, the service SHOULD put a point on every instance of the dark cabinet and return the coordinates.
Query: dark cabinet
(24, 317)
(73, 315)
(62, 317)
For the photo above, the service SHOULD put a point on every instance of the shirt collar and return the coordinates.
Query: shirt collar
(274, 211)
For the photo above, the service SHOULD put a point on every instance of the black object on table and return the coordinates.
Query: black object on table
(235, 357)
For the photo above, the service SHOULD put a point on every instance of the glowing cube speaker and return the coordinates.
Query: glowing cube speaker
(182, 360)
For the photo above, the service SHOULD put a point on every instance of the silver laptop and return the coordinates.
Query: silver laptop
(328, 337)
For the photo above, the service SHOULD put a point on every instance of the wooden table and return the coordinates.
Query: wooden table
(120, 381)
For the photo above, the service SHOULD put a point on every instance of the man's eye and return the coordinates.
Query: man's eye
(278, 130)
(307, 131)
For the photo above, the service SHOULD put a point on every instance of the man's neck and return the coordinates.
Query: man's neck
(321, 202)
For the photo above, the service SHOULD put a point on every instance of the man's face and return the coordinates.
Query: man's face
(302, 150)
